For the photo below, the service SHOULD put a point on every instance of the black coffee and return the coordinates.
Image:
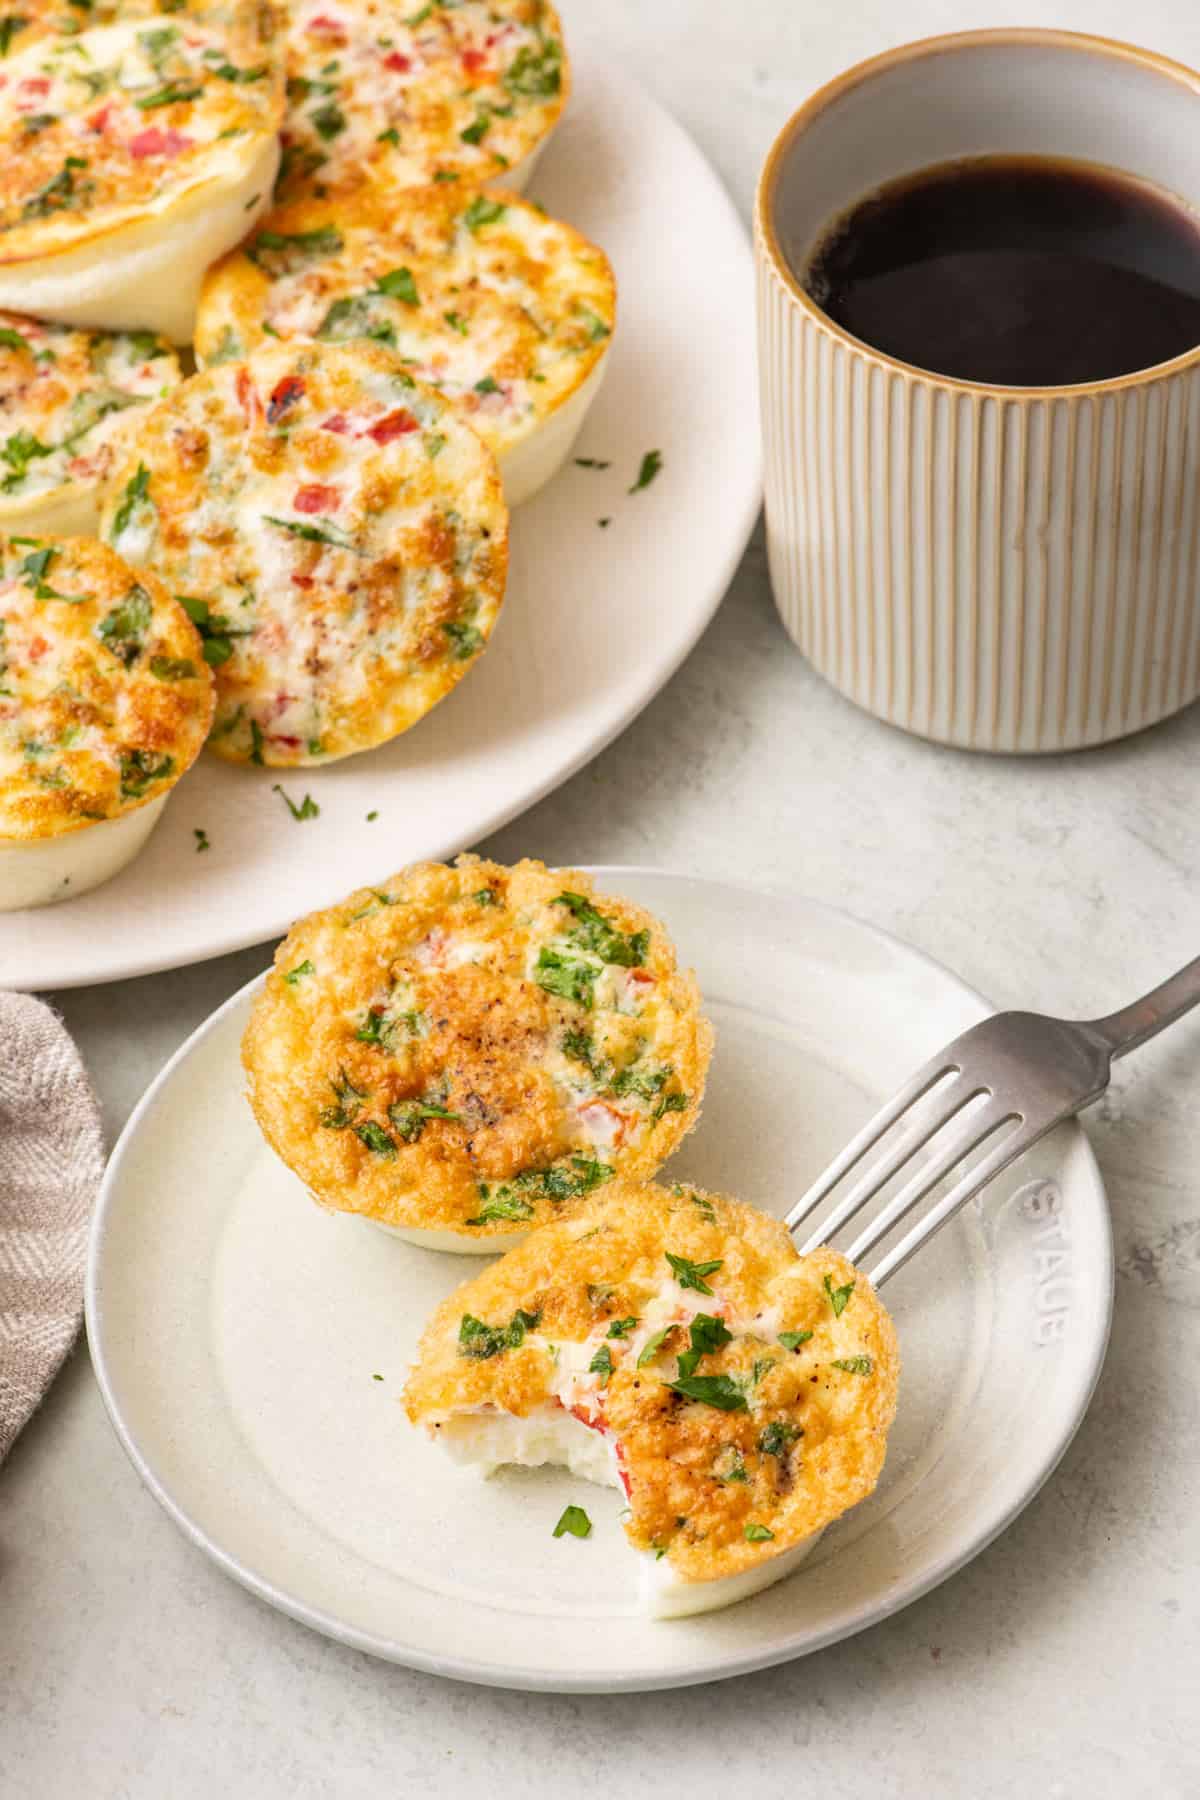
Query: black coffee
(1016, 271)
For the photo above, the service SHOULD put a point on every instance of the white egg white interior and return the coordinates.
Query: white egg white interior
(488, 1439)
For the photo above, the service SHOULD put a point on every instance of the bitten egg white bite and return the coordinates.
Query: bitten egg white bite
(673, 1343)
(105, 700)
(505, 311)
(68, 400)
(132, 156)
(403, 96)
(337, 531)
(466, 1051)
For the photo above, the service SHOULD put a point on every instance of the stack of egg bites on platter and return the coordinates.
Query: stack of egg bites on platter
(485, 1059)
(280, 346)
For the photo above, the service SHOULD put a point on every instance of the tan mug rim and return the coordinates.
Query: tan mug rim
(819, 102)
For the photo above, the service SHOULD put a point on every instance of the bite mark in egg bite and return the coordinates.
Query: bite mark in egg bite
(673, 1343)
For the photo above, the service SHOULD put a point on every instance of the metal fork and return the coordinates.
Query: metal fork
(1005, 1083)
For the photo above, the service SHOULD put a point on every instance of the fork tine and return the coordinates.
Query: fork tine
(913, 1090)
(981, 1126)
(1006, 1152)
(882, 1170)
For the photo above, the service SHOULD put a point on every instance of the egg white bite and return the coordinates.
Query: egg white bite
(338, 532)
(68, 400)
(505, 311)
(463, 1052)
(105, 700)
(132, 156)
(403, 96)
(673, 1343)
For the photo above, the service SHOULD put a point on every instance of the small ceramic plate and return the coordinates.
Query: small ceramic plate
(251, 1348)
(596, 619)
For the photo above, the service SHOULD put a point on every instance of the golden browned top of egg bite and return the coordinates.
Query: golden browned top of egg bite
(481, 295)
(104, 127)
(748, 1391)
(338, 532)
(405, 96)
(67, 400)
(105, 698)
(475, 1047)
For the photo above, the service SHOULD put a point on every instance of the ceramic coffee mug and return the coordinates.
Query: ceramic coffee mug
(995, 567)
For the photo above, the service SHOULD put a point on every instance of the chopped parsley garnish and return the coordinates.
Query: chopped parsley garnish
(622, 1327)
(292, 249)
(307, 967)
(329, 120)
(376, 1139)
(214, 628)
(256, 743)
(590, 462)
(704, 1207)
(398, 284)
(482, 211)
(123, 629)
(692, 1274)
(18, 451)
(172, 668)
(597, 330)
(307, 809)
(671, 1103)
(34, 568)
(467, 639)
(596, 933)
(10, 25)
(854, 1365)
(175, 93)
(762, 1366)
(653, 1345)
(536, 74)
(602, 1365)
(567, 977)
(328, 533)
(10, 339)
(792, 1340)
(482, 1341)
(708, 1334)
(757, 1534)
(777, 1438)
(390, 136)
(140, 769)
(411, 1116)
(454, 320)
(488, 385)
(349, 1098)
(599, 1293)
(202, 843)
(60, 193)
(721, 1391)
(504, 1205)
(556, 1182)
(137, 489)
(652, 462)
(486, 897)
(839, 1298)
(575, 1522)
(477, 130)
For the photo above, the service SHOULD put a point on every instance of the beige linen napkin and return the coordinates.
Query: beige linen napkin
(51, 1160)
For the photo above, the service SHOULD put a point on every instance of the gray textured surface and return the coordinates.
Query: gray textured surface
(1063, 1661)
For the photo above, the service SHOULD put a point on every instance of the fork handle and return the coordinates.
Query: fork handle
(1133, 1025)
